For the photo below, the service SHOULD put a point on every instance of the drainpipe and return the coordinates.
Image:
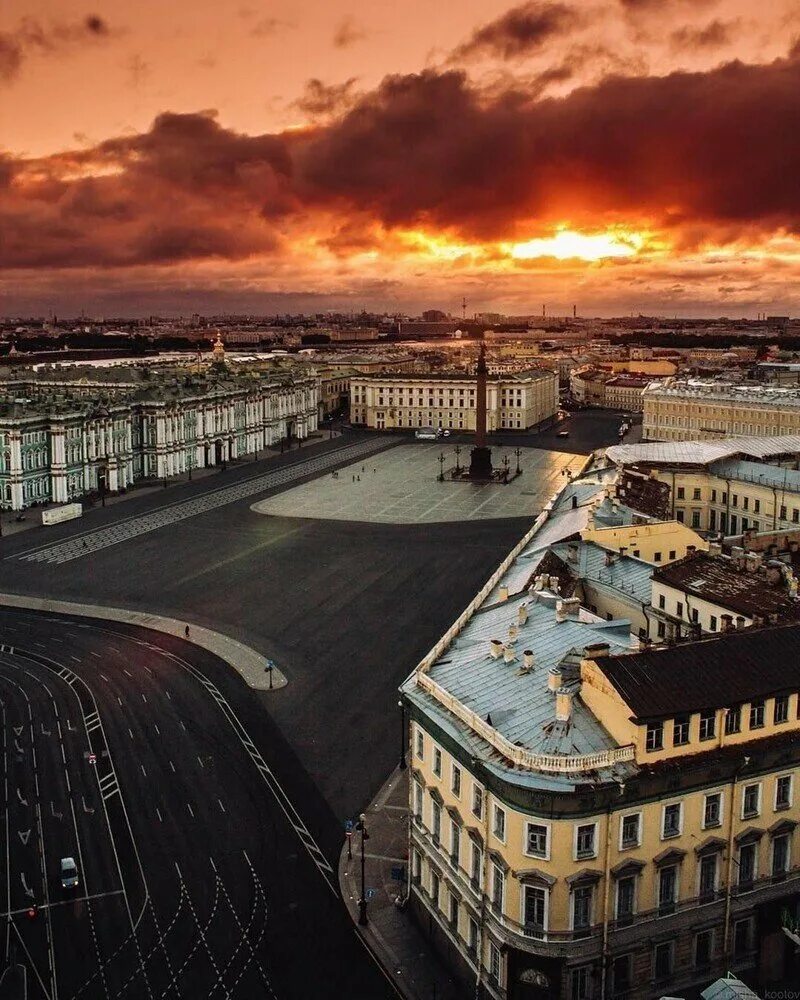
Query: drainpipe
(726, 929)
(606, 875)
(672, 494)
(728, 508)
(484, 886)
(774, 508)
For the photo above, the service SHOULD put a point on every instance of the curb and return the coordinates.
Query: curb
(249, 664)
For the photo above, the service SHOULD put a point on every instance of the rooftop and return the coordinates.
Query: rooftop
(750, 590)
(703, 452)
(625, 574)
(524, 375)
(746, 393)
(729, 669)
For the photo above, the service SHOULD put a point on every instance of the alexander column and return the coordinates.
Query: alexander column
(480, 466)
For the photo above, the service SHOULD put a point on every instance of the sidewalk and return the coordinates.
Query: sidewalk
(391, 934)
(243, 659)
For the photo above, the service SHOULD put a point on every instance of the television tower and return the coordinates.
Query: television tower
(464, 309)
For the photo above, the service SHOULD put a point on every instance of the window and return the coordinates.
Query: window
(630, 830)
(713, 496)
(662, 601)
(780, 854)
(783, 791)
(680, 516)
(626, 896)
(663, 959)
(435, 886)
(742, 933)
(671, 826)
(681, 493)
(498, 886)
(655, 736)
(420, 748)
(712, 810)
(747, 864)
(745, 502)
(436, 820)
(695, 518)
(680, 730)
(733, 720)
(585, 841)
(757, 715)
(477, 801)
(657, 557)
(454, 910)
(672, 554)
(695, 615)
(417, 801)
(734, 499)
(781, 713)
(708, 875)
(472, 935)
(455, 785)
(500, 823)
(667, 888)
(783, 513)
(661, 630)
(536, 840)
(708, 725)
(582, 907)
(534, 903)
(621, 973)
(724, 496)
(679, 609)
(757, 506)
(703, 947)
(437, 762)
(751, 801)
(476, 865)
(494, 963)
(455, 843)
(581, 983)
(696, 494)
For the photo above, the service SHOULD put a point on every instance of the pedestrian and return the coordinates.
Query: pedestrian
(354, 478)
(186, 631)
(358, 478)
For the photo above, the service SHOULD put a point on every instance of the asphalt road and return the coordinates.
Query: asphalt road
(345, 609)
(198, 877)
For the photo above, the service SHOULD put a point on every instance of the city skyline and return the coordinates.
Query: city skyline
(628, 156)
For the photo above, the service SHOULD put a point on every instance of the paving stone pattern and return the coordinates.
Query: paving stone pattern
(124, 530)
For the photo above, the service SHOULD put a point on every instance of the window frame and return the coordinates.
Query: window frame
(750, 813)
(631, 846)
(784, 701)
(678, 723)
(779, 807)
(578, 855)
(455, 779)
(657, 947)
(708, 717)
(499, 829)
(479, 794)
(526, 840)
(656, 731)
(436, 763)
(679, 831)
(720, 796)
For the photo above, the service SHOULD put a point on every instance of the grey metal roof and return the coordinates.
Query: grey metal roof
(757, 472)
(703, 452)
(626, 574)
(520, 705)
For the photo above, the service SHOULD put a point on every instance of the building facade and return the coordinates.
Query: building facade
(63, 438)
(681, 409)
(515, 401)
(590, 820)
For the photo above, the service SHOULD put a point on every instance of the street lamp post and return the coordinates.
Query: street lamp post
(363, 920)
(458, 458)
(441, 466)
(518, 452)
(402, 708)
(269, 668)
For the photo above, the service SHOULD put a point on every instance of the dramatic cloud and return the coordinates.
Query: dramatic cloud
(691, 157)
(713, 35)
(520, 31)
(319, 99)
(32, 37)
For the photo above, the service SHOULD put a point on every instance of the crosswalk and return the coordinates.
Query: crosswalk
(85, 544)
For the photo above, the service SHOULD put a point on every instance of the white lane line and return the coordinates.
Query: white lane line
(119, 701)
(222, 807)
(158, 813)
(75, 658)
(191, 811)
(158, 731)
(200, 761)
(105, 678)
(130, 732)
(143, 770)
(127, 673)
(169, 696)
(183, 727)
(92, 653)
(144, 699)
(65, 902)
(172, 766)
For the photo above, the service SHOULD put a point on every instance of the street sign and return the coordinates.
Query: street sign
(348, 825)
(369, 894)
(92, 758)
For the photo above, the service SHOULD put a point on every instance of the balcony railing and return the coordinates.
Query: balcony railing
(554, 763)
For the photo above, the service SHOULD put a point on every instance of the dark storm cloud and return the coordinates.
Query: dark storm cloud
(698, 154)
(319, 98)
(521, 31)
(714, 35)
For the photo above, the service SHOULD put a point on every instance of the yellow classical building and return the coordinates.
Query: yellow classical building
(400, 401)
(591, 820)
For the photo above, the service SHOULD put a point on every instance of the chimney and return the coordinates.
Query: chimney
(495, 649)
(513, 632)
(561, 613)
(572, 552)
(522, 614)
(563, 704)
(623, 549)
(527, 659)
(773, 549)
(726, 623)
(752, 561)
(793, 546)
(714, 549)
(737, 554)
(502, 593)
(553, 679)
(739, 622)
(574, 502)
(596, 650)
(508, 654)
(609, 559)
(774, 571)
(555, 586)
(572, 605)
(691, 550)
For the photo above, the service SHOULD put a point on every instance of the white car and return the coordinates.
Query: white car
(69, 873)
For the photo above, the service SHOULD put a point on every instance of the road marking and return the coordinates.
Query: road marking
(75, 658)
(144, 699)
(200, 761)
(191, 811)
(143, 770)
(92, 653)
(183, 727)
(127, 673)
(169, 696)
(222, 807)
(119, 701)
(172, 766)
(158, 813)
(64, 902)
(158, 731)
(130, 732)
(105, 678)
(22, 801)
(23, 836)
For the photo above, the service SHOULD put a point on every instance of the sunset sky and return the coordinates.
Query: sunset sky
(248, 156)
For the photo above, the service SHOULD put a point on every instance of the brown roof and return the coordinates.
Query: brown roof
(719, 580)
(643, 494)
